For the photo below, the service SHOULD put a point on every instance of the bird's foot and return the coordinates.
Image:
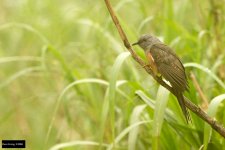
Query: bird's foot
(155, 73)
(159, 76)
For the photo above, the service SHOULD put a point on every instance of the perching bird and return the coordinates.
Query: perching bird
(164, 62)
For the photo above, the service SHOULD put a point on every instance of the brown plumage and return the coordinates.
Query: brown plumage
(165, 62)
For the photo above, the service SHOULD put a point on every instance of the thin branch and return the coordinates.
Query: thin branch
(198, 111)
(205, 103)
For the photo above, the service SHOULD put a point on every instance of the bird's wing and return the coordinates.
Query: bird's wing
(169, 66)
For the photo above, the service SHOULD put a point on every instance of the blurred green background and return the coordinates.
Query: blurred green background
(68, 82)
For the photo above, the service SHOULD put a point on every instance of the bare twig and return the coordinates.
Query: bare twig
(205, 103)
(198, 111)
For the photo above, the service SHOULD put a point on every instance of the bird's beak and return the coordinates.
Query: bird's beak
(135, 43)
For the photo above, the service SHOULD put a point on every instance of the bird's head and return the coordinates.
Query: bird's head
(146, 41)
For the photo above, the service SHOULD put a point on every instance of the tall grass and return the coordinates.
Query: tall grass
(67, 82)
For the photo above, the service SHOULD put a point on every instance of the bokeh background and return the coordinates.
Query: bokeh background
(67, 81)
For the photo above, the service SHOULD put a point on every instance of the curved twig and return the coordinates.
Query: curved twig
(195, 109)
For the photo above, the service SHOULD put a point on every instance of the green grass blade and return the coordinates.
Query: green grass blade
(20, 59)
(160, 107)
(146, 21)
(101, 82)
(206, 70)
(67, 88)
(114, 43)
(133, 134)
(122, 4)
(150, 102)
(125, 132)
(110, 93)
(213, 106)
(19, 74)
(59, 57)
(26, 27)
(170, 116)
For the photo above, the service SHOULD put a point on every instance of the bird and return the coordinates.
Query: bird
(165, 63)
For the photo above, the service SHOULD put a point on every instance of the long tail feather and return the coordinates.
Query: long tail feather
(185, 111)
